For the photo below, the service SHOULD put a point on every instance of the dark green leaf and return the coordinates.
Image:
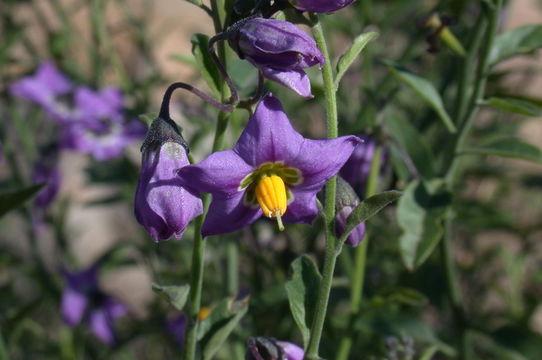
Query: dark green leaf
(351, 54)
(14, 199)
(519, 41)
(367, 209)
(175, 295)
(420, 216)
(220, 323)
(302, 290)
(411, 141)
(509, 147)
(426, 91)
(204, 61)
(515, 105)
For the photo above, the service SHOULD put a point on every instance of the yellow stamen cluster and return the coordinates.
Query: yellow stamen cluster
(204, 313)
(272, 197)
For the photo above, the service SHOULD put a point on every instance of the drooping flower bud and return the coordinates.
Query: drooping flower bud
(262, 348)
(320, 6)
(279, 49)
(356, 170)
(162, 205)
(347, 200)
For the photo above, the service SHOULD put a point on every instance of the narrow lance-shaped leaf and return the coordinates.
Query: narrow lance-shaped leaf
(523, 40)
(12, 200)
(302, 290)
(351, 54)
(204, 61)
(426, 91)
(367, 209)
(508, 147)
(175, 295)
(517, 106)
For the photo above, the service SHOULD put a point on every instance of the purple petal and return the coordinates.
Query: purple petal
(101, 325)
(114, 308)
(268, 136)
(177, 328)
(296, 80)
(98, 104)
(356, 170)
(227, 214)
(73, 306)
(357, 235)
(220, 173)
(302, 209)
(49, 174)
(56, 81)
(162, 205)
(320, 6)
(292, 351)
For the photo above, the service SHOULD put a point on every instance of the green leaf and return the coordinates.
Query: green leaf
(174, 294)
(367, 209)
(508, 147)
(426, 91)
(351, 54)
(523, 40)
(14, 199)
(420, 216)
(302, 290)
(207, 67)
(411, 141)
(517, 106)
(220, 323)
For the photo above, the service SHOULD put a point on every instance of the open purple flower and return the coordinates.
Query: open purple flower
(83, 300)
(272, 170)
(320, 6)
(279, 49)
(99, 126)
(46, 88)
(162, 205)
(262, 348)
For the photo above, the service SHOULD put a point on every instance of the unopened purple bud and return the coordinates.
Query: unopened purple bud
(262, 348)
(279, 49)
(162, 205)
(347, 200)
(320, 6)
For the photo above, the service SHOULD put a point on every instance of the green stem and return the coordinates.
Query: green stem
(356, 293)
(330, 256)
(233, 266)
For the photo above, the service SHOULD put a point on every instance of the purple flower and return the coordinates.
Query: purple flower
(261, 348)
(279, 50)
(272, 170)
(320, 6)
(83, 300)
(99, 126)
(46, 88)
(162, 205)
(356, 170)
(46, 172)
(177, 328)
(347, 200)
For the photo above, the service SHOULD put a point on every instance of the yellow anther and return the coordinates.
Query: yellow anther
(271, 195)
(203, 313)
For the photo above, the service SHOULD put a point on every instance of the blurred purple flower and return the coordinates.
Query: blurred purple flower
(271, 169)
(83, 300)
(162, 205)
(47, 88)
(177, 328)
(279, 49)
(99, 126)
(356, 170)
(262, 348)
(49, 173)
(320, 6)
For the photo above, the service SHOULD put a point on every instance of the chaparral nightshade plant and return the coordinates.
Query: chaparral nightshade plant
(162, 205)
(84, 300)
(272, 170)
(279, 49)
(320, 6)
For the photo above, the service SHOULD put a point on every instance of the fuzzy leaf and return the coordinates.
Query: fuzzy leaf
(367, 209)
(523, 40)
(204, 61)
(302, 290)
(175, 295)
(509, 147)
(426, 91)
(346, 60)
(14, 199)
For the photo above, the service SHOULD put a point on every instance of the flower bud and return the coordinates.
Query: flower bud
(320, 6)
(262, 348)
(279, 49)
(347, 200)
(162, 205)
